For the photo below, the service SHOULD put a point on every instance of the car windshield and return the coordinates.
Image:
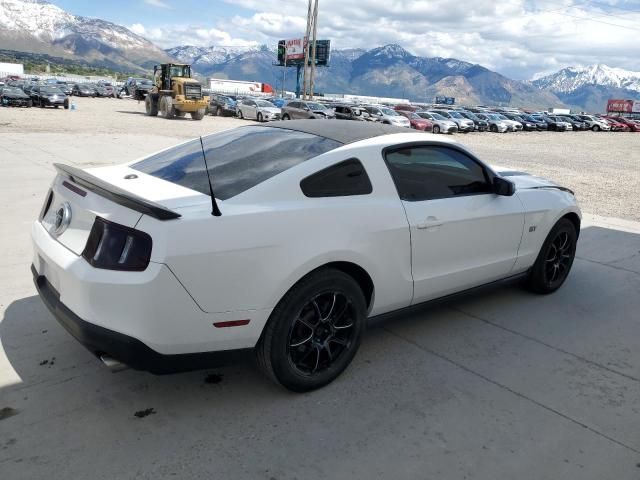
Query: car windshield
(50, 90)
(238, 159)
(499, 116)
(495, 116)
(456, 115)
(145, 81)
(265, 104)
(471, 115)
(413, 115)
(11, 90)
(316, 106)
(436, 116)
(388, 111)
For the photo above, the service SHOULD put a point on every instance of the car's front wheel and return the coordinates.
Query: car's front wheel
(314, 332)
(555, 259)
(436, 129)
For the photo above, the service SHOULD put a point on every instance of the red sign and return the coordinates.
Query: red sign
(295, 48)
(621, 106)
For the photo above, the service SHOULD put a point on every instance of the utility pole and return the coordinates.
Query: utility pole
(313, 48)
(284, 70)
(306, 51)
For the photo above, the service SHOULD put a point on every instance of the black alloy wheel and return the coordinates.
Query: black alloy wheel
(322, 331)
(555, 259)
(314, 332)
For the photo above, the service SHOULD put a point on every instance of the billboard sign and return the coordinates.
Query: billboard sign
(294, 50)
(445, 100)
(636, 107)
(621, 106)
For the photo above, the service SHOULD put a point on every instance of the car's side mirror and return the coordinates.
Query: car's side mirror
(504, 187)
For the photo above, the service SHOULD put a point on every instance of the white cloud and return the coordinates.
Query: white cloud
(518, 37)
(158, 4)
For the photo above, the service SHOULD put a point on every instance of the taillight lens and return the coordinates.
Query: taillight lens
(115, 247)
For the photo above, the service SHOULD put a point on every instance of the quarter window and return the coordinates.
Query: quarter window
(429, 173)
(342, 179)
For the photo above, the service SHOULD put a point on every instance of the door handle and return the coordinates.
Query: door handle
(430, 222)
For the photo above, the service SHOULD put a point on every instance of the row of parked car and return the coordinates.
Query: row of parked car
(432, 118)
(28, 93)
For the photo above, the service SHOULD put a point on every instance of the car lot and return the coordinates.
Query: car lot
(497, 383)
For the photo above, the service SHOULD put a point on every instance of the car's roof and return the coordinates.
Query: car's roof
(339, 130)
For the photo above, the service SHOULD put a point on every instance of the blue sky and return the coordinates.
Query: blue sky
(520, 38)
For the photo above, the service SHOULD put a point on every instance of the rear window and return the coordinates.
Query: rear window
(238, 159)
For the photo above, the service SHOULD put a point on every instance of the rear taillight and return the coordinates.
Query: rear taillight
(47, 204)
(115, 247)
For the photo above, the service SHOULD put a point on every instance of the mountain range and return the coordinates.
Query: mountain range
(387, 71)
(41, 27)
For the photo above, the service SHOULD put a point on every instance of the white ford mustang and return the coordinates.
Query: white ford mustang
(283, 239)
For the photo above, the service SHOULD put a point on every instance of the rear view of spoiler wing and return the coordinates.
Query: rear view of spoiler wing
(116, 194)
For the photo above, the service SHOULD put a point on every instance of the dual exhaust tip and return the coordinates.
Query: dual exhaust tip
(113, 364)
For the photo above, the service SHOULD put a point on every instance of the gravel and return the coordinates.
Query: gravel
(602, 168)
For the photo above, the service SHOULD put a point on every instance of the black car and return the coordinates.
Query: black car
(539, 123)
(578, 125)
(349, 112)
(137, 87)
(14, 97)
(480, 125)
(222, 105)
(48, 96)
(83, 90)
(527, 126)
(100, 90)
(65, 87)
(554, 124)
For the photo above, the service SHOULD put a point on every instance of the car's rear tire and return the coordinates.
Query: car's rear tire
(493, 128)
(555, 259)
(436, 129)
(596, 128)
(314, 332)
(286, 117)
(260, 117)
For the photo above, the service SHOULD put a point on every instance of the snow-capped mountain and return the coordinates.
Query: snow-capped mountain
(39, 26)
(203, 57)
(571, 79)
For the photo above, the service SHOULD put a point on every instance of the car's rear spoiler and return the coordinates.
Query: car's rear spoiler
(116, 194)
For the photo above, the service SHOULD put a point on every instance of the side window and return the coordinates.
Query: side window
(339, 180)
(429, 173)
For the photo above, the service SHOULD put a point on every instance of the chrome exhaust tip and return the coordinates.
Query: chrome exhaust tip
(113, 364)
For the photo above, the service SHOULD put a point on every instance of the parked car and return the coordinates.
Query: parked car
(513, 125)
(496, 125)
(539, 124)
(284, 261)
(256, 109)
(440, 123)
(464, 124)
(387, 116)
(526, 125)
(140, 85)
(14, 97)
(110, 89)
(222, 105)
(554, 123)
(416, 121)
(100, 90)
(479, 124)
(279, 101)
(83, 90)
(594, 123)
(64, 87)
(634, 125)
(616, 126)
(300, 109)
(48, 96)
(578, 125)
(352, 112)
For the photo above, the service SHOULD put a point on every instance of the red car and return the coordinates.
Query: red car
(616, 126)
(633, 125)
(417, 121)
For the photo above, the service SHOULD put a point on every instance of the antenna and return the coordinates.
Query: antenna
(215, 211)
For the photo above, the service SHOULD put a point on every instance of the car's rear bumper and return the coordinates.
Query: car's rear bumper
(128, 350)
(150, 306)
